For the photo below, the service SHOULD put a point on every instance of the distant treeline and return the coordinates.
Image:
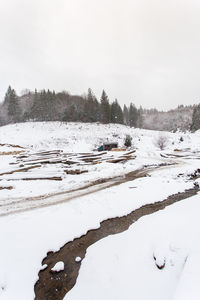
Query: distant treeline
(50, 106)
(47, 105)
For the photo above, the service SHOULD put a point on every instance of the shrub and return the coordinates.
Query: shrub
(128, 141)
(161, 142)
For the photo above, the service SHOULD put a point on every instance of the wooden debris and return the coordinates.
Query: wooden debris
(92, 155)
(130, 152)
(83, 153)
(117, 160)
(75, 172)
(182, 150)
(164, 155)
(176, 155)
(96, 162)
(41, 155)
(114, 161)
(11, 152)
(91, 159)
(6, 187)
(19, 170)
(126, 156)
(49, 161)
(39, 159)
(69, 162)
(43, 162)
(22, 156)
(48, 152)
(11, 145)
(118, 149)
(57, 178)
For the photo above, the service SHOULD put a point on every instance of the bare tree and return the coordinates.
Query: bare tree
(161, 141)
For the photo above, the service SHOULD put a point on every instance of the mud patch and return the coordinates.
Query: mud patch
(56, 286)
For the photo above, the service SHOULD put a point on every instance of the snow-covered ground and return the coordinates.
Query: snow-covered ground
(26, 237)
(124, 266)
(76, 138)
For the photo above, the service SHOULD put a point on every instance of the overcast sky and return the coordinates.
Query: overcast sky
(144, 51)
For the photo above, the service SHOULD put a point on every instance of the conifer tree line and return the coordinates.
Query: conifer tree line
(47, 105)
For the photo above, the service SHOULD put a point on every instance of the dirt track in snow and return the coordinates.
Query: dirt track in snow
(25, 204)
(54, 286)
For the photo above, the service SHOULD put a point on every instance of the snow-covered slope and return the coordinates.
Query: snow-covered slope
(86, 136)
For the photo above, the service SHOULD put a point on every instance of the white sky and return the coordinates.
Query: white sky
(144, 51)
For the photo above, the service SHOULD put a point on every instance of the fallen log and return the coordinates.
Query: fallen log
(43, 162)
(118, 149)
(90, 159)
(57, 178)
(75, 172)
(51, 162)
(164, 155)
(30, 159)
(117, 160)
(69, 162)
(11, 145)
(11, 152)
(182, 150)
(19, 170)
(130, 152)
(6, 188)
(47, 152)
(126, 156)
(92, 155)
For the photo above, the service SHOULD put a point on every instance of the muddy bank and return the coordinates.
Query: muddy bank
(54, 286)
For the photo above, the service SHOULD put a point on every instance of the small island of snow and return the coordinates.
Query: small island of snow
(59, 266)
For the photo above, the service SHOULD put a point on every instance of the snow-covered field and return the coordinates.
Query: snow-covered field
(74, 138)
(117, 267)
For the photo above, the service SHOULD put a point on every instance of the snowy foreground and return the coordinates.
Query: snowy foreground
(122, 266)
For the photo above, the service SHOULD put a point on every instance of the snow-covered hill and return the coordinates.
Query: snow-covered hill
(84, 137)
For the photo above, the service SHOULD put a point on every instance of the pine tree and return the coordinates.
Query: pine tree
(196, 118)
(50, 100)
(140, 117)
(44, 106)
(73, 114)
(36, 107)
(126, 115)
(105, 108)
(116, 114)
(12, 104)
(91, 108)
(133, 115)
(96, 110)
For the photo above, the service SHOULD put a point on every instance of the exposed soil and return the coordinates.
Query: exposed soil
(54, 286)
